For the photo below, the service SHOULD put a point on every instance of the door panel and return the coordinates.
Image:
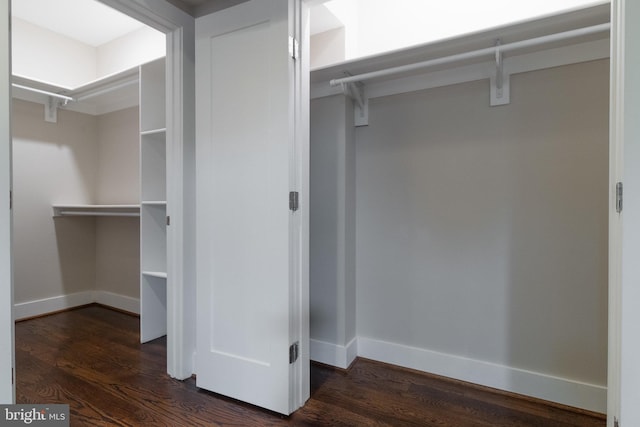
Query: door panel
(7, 394)
(246, 166)
(624, 227)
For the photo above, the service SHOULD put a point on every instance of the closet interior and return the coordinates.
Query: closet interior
(459, 207)
(89, 175)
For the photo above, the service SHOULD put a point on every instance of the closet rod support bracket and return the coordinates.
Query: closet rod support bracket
(499, 81)
(356, 91)
(51, 110)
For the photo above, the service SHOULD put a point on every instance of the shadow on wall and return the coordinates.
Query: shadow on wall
(52, 163)
(558, 249)
(482, 231)
(76, 249)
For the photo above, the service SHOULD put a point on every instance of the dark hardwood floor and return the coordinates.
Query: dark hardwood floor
(91, 359)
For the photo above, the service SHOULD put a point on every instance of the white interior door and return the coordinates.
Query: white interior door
(6, 294)
(250, 139)
(624, 228)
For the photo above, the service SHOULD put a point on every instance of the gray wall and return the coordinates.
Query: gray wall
(52, 163)
(79, 159)
(332, 221)
(482, 231)
(118, 239)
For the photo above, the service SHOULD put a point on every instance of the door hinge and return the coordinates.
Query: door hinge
(619, 197)
(294, 48)
(168, 220)
(616, 423)
(293, 352)
(294, 202)
(10, 199)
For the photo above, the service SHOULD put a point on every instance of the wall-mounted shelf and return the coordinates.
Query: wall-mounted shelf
(157, 274)
(492, 54)
(96, 210)
(110, 93)
(154, 131)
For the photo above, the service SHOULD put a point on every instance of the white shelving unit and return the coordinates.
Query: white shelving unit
(153, 203)
(112, 93)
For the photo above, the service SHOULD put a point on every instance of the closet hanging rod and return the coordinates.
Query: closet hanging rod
(44, 92)
(489, 52)
(97, 213)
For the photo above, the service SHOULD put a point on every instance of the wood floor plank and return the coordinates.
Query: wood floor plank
(91, 358)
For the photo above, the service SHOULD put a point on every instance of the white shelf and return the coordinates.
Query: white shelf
(532, 28)
(109, 93)
(96, 210)
(154, 203)
(157, 274)
(153, 131)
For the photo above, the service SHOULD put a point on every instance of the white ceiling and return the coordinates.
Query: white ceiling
(94, 24)
(87, 21)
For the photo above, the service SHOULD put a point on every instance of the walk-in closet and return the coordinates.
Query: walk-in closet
(89, 165)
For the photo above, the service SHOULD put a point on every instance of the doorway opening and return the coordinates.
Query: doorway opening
(76, 153)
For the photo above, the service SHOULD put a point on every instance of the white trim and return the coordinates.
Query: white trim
(299, 27)
(181, 235)
(7, 359)
(616, 163)
(160, 15)
(179, 27)
(121, 302)
(44, 306)
(39, 307)
(332, 354)
(582, 52)
(561, 390)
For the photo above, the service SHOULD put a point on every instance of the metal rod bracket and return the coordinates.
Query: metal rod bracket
(356, 91)
(499, 81)
(51, 110)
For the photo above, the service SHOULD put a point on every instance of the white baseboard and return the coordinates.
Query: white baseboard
(40, 307)
(118, 301)
(49, 305)
(560, 390)
(333, 354)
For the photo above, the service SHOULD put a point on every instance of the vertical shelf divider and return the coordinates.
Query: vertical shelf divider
(153, 203)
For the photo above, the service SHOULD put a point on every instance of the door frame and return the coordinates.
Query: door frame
(615, 222)
(179, 29)
(7, 361)
(180, 111)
